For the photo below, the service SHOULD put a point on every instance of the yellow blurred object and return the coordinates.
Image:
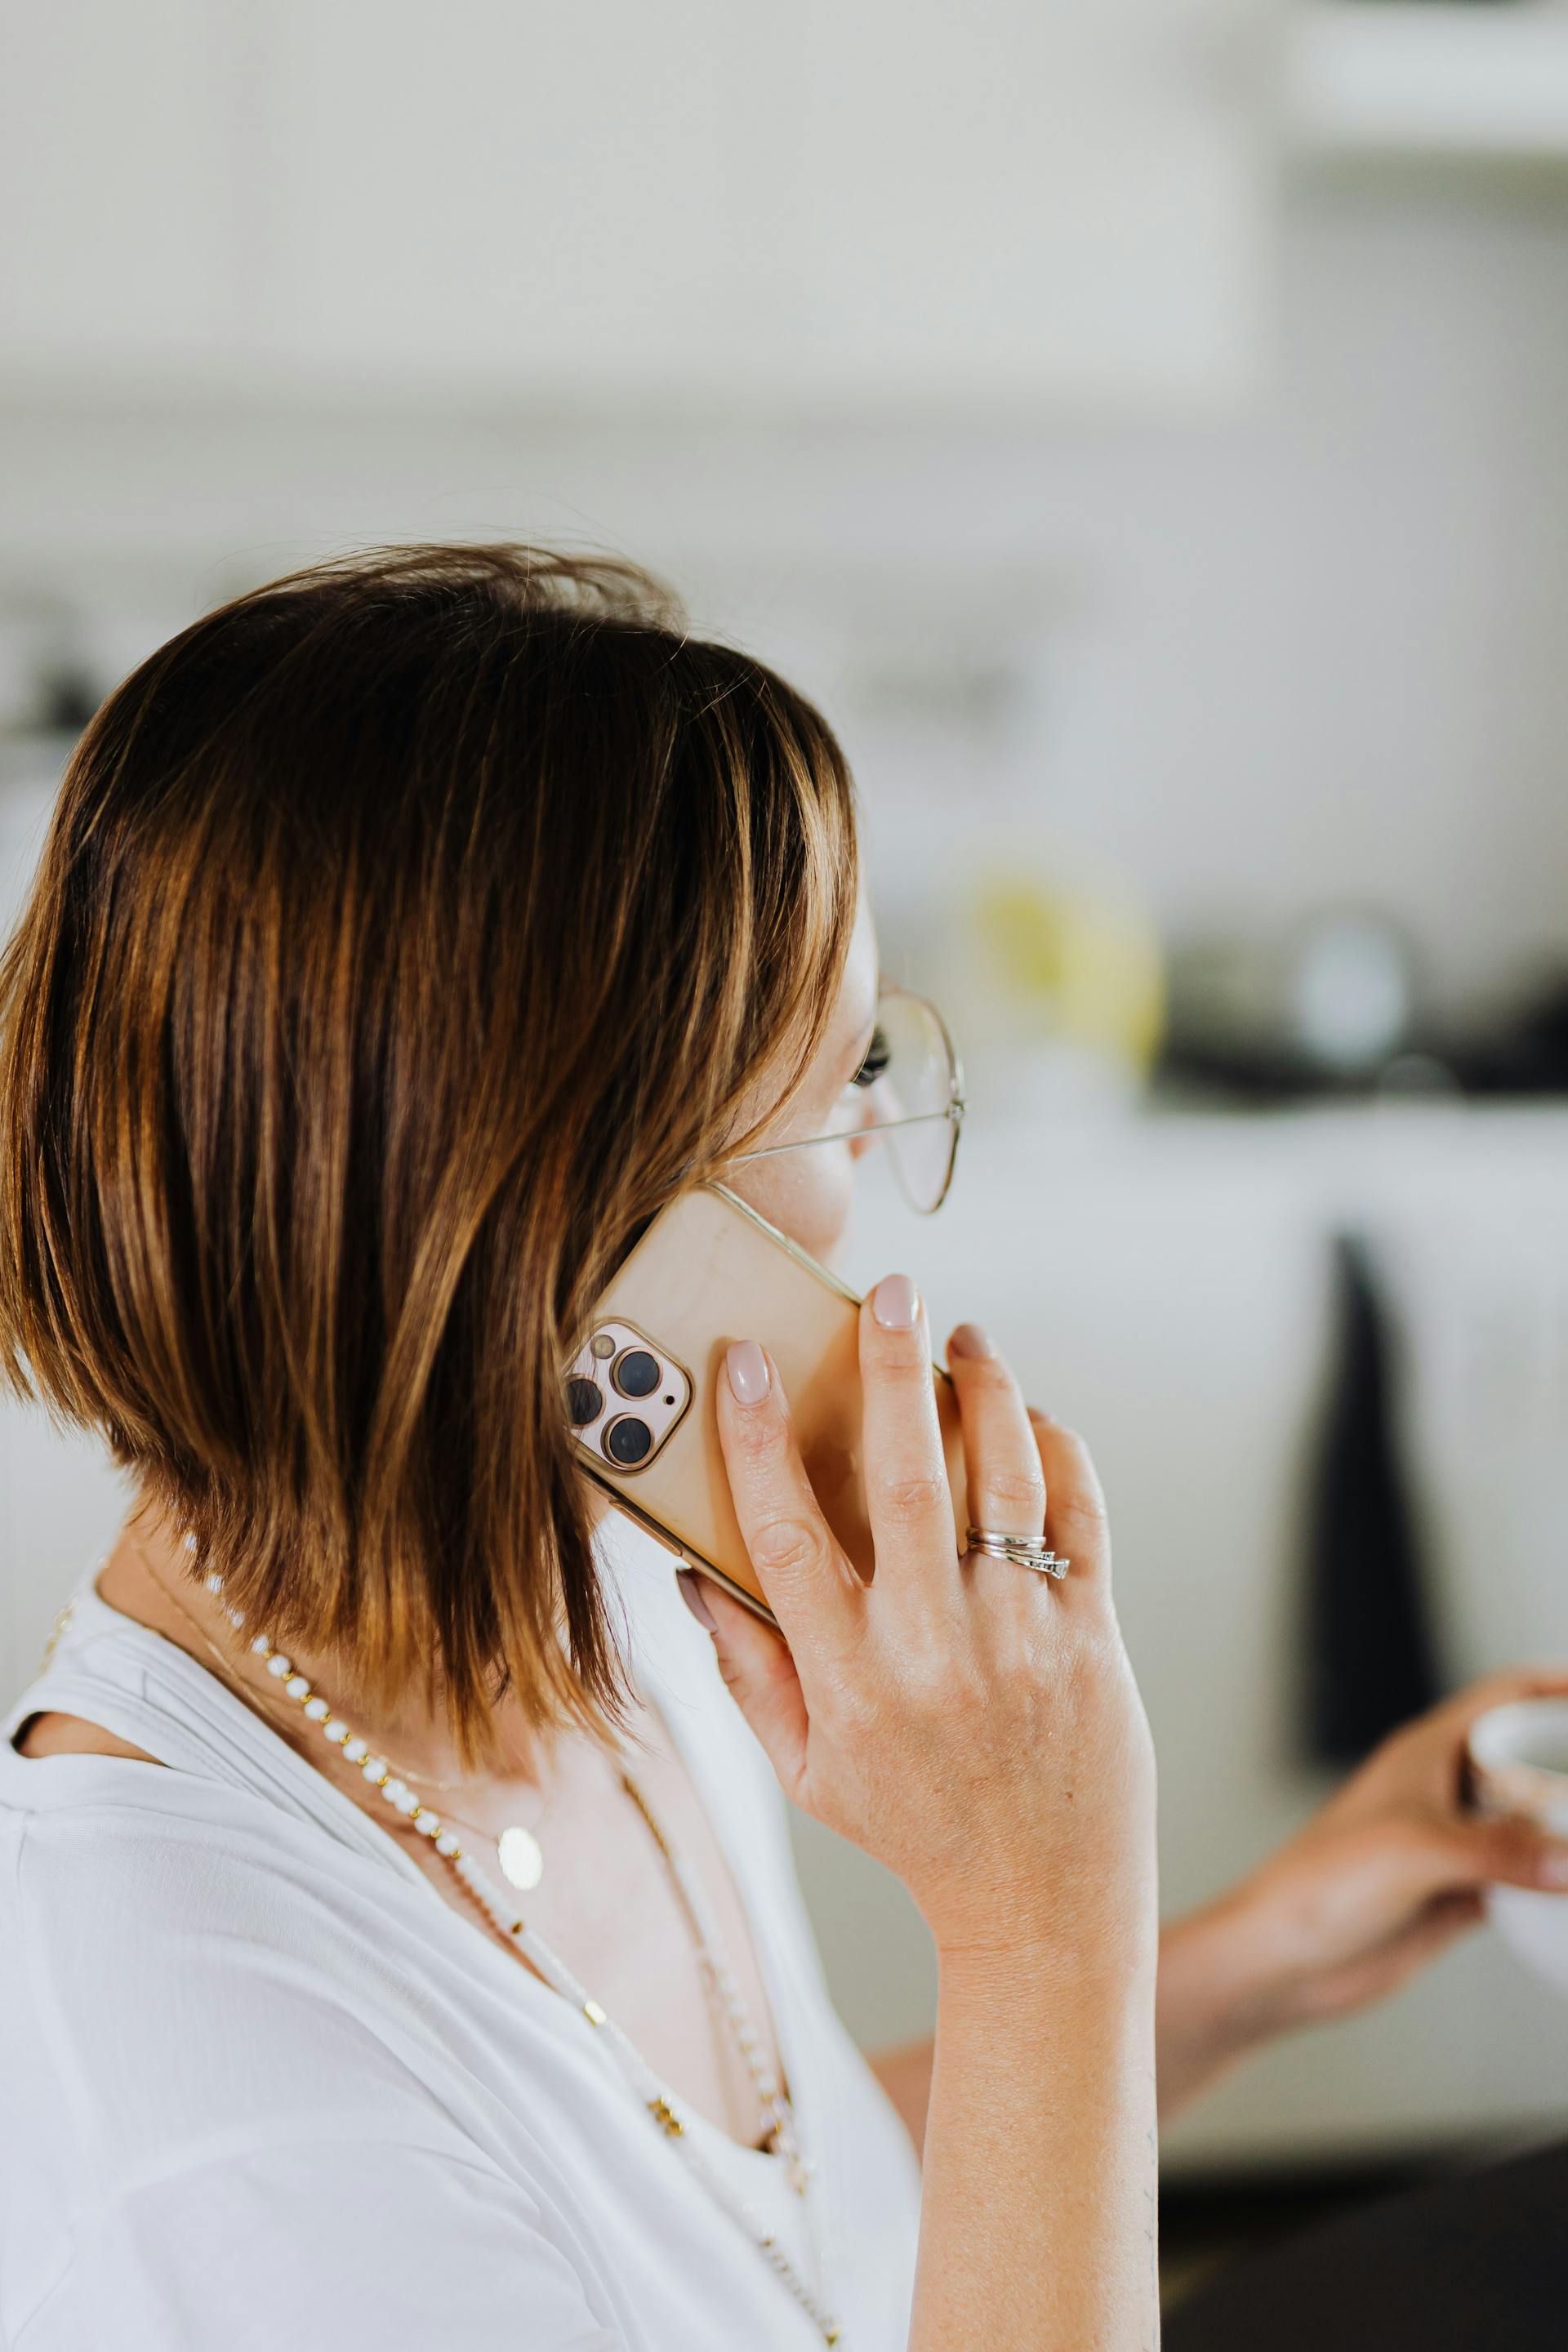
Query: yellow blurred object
(1074, 964)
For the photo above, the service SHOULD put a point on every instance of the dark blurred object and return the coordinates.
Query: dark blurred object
(67, 698)
(1475, 2264)
(1333, 1009)
(1211, 2219)
(1530, 1057)
(1327, 1004)
(1369, 1654)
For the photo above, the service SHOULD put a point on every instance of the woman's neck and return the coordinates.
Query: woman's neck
(146, 1576)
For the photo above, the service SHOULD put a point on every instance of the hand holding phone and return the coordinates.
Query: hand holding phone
(970, 1722)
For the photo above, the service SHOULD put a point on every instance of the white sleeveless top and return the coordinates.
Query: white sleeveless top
(260, 2085)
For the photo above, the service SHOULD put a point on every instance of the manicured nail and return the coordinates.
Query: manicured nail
(895, 1302)
(748, 1369)
(1553, 1868)
(692, 1594)
(969, 1339)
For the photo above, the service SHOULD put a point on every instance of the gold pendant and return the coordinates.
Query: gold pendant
(517, 1851)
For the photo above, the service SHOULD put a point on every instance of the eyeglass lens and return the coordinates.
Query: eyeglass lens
(915, 1083)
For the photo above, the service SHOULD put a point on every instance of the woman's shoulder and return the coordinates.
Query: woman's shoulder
(112, 1855)
(145, 1900)
(201, 2033)
(181, 1971)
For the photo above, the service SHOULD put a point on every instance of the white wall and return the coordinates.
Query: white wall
(1251, 663)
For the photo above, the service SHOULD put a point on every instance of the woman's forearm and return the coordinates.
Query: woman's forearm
(1039, 2216)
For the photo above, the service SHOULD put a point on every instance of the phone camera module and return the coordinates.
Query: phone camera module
(584, 1401)
(627, 1440)
(635, 1372)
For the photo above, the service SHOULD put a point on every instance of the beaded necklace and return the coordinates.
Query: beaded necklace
(653, 2094)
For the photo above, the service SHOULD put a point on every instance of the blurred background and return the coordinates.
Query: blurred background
(1143, 426)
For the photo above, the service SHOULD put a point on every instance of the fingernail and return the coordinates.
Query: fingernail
(895, 1302)
(969, 1339)
(1554, 1869)
(692, 1594)
(748, 1369)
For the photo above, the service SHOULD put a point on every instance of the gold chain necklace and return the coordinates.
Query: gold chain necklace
(531, 1946)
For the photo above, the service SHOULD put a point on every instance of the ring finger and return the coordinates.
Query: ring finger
(1002, 1462)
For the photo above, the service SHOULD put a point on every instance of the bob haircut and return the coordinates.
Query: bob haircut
(406, 933)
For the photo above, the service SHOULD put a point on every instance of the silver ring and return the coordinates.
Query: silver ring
(1023, 1552)
(1035, 1547)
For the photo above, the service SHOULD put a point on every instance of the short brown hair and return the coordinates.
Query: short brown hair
(406, 933)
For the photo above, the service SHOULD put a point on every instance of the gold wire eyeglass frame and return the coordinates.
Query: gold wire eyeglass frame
(951, 1112)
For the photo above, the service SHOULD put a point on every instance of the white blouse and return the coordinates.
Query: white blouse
(260, 2085)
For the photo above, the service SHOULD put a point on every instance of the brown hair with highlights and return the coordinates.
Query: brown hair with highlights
(405, 934)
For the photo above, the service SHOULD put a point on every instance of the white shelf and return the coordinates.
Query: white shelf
(1430, 77)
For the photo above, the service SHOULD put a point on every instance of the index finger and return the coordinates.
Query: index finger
(1461, 1708)
(1457, 1712)
(1433, 1748)
(808, 1583)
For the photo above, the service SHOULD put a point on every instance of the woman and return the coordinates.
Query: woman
(407, 933)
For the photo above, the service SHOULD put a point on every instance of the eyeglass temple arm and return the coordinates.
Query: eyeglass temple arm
(952, 1114)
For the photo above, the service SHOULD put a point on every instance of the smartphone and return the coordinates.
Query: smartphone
(641, 1388)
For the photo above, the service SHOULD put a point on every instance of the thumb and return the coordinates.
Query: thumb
(1509, 1852)
(758, 1672)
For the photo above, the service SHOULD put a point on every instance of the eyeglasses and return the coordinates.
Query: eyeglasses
(910, 1088)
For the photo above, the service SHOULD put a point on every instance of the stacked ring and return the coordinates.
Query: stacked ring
(1023, 1552)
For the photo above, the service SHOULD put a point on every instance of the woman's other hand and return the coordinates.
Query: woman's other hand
(971, 1723)
(1381, 1880)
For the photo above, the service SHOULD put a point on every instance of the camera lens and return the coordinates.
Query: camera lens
(628, 1440)
(584, 1401)
(636, 1373)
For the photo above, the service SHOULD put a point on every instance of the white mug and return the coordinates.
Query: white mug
(1518, 1765)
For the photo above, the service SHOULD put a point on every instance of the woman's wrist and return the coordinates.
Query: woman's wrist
(1102, 1948)
(1045, 1974)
